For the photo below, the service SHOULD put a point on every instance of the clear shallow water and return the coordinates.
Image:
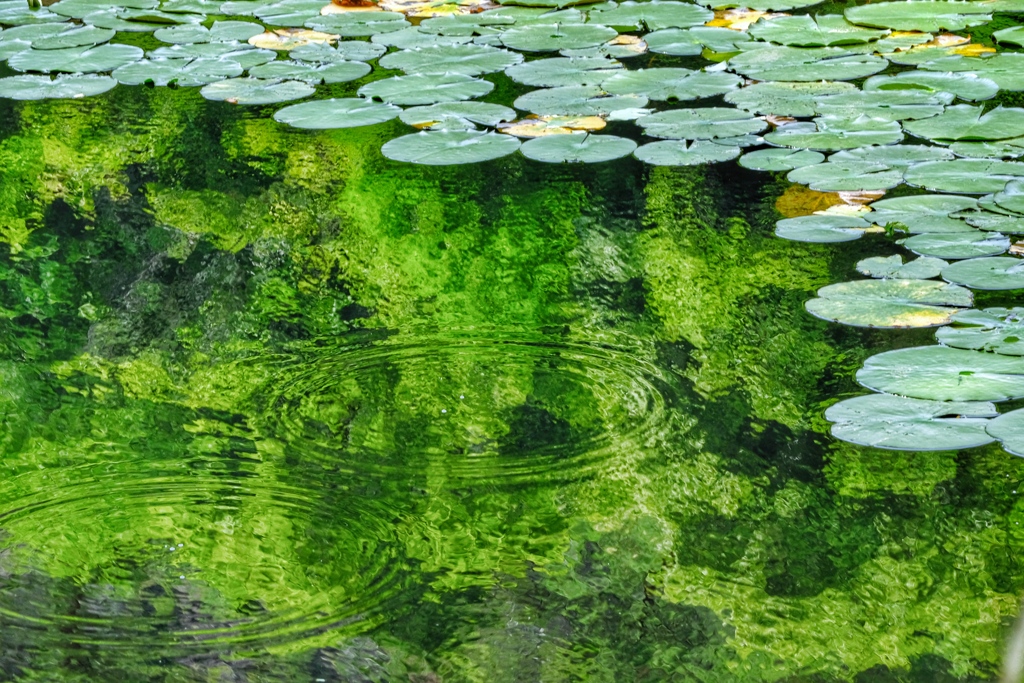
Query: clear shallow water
(275, 408)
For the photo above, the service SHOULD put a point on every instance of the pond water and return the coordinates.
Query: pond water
(277, 408)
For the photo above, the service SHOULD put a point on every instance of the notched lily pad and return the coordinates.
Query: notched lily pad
(682, 153)
(652, 15)
(336, 113)
(833, 133)
(700, 124)
(444, 148)
(889, 303)
(76, 59)
(785, 98)
(963, 176)
(564, 71)
(554, 37)
(994, 273)
(957, 245)
(780, 159)
(437, 115)
(924, 213)
(920, 15)
(577, 101)
(426, 89)
(966, 86)
(805, 64)
(823, 229)
(61, 87)
(941, 373)
(824, 30)
(923, 268)
(847, 176)
(255, 91)
(671, 84)
(996, 330)
(1009, 430)
(577, 148)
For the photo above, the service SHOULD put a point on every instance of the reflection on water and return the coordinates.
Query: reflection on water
(276, 409)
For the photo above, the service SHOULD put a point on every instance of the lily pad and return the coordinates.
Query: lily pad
(683, 153)
(339, 72)
(957, 245)
(73, 36)
(138, 21)
(61, 87)
(576, 101)
(343, 51)
(923, 268)
(896, 156)
(619, 47)
(963, 176)
(941, 373)
(1005, 69)
(887, 105)
(824, 30)
(760, 5)
(426, 89)
(823, 229)
(362, 24)
(889, 303)
(652, 15)
(847, 176)
(966, 122)
(700, 124)
(994, 222)
(539, 126)
(484, 113)
(920, 15)
(1010, 36)
(577, 148)
(336, 113)
(928, 213)
(256, 91)
(690, 42)
(780, 159)
(805, 64)
(76, 59)
(1011, 197)
(965, 85)
(909, 424)
(993, 273)
(220, 32)
(784, 98)
(286, 39)
(833, 133)
(468, 60)
(1009, 430)
(18, 13)
(443, 148)
(996, 330)
(564, 71)
(671, 84)
(997, 149)
(554, 37)
(182, 72)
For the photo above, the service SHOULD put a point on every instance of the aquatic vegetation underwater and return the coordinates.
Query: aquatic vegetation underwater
(618, 368)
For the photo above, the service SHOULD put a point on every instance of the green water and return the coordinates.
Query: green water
(277, 409)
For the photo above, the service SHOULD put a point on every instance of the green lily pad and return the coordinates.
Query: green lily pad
(61, 87)
(1011, 197)
(833, 133)
(554, 37)
(468, 60)
(785, 99)
(73, 36)
(923, 268)
(822, 229)
(484, 113)
(966, 122)
(780, 159)
(292, 13)
(997, 149)
(363, 24)
(343, 51)
(889, 303)
(683, 153)
(18, 13)
(994, 222)
(609, 50)
(1005, 69)
(443, 148)
(898, 105)
(910, 424)
(426, 89)
(1010, 36)
(896, 156)
(760, 5)
(671, 84)
(965, 85)
(927, 213)
(76, 59)
(847, 176)
(137, 21)
(339, 72)
(467, 24)
(963, 176)
(336, 113)
(256, 91)
(77, 9)
(412, 38)
(992, 273)
(1009, 430)
(700, 124)
(996, 330)
(652, 15)
(690, 42)
(183, 72)
(576, 101)
(805, 64)
(920, 15)
(941, 373)
(577, 148)
(564, 71)
(824, 30)
(957, 245)
(221, 31)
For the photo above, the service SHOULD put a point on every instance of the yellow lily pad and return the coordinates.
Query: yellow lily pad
(541, 126)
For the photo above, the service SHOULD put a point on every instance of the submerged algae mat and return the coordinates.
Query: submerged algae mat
(276, 408)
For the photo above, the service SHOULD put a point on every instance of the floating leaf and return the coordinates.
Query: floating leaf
(993, 273)
(888, 105)
(653, 15)
(1011, 197)
(77, 9)
(468, 60)
(19, 13)
(737, 18)
(182, 72)
(1010, 36)
(554, 37)
(681, 153)
(941, 373)
(1005, 69)
(343, 51)
(785, 99)
(61, 87)
(73, 36)
(777, 159)
(805, 64)
(76, 59)
(834, 133)
(619, 47)
(822, 228)
(823, 30)
(137, 21)
(995, 222)
(899, 156)
(967, 176)
(922, 268)
(362, 24)
(576, 101)
(256, 91)
(690, 42)
(966, 122)
(996, 330)
(847, 176)
(412, 38)
(920, 15)
(483, 113)
(889, 303)
(339, 72)
(998, 149)
(426, 89)
(670, 84)
(539, 126)
(577, 148)
(1009, 430)
(910, 424)
(957, 245)
(422, 9)
(443, 148)
(924, 213)
(487, 23)
(221, 31)
(290, 38)
(700, 124)
(563, 71)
